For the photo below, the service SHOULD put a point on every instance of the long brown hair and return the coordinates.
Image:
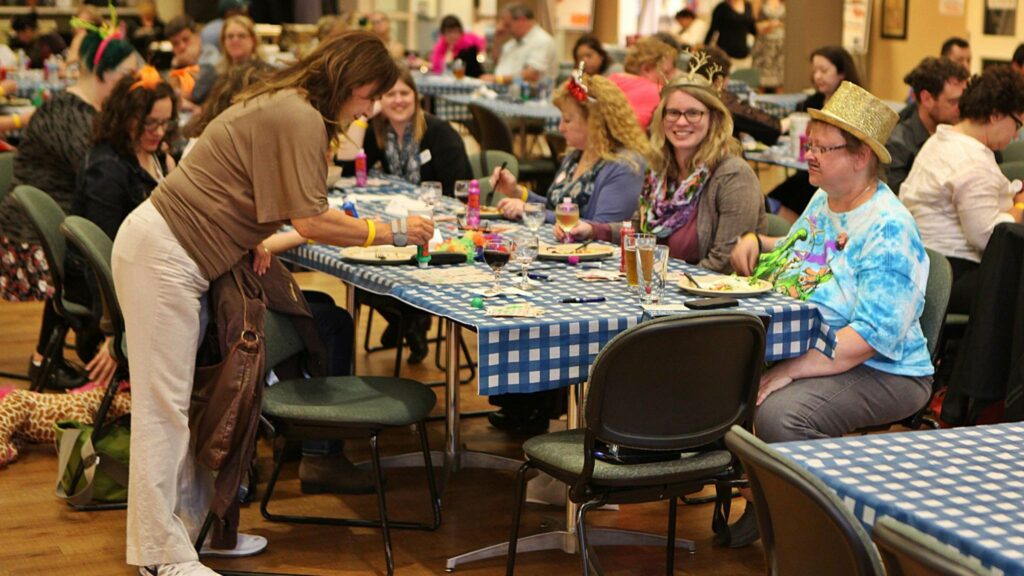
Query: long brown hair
(419, 121)
(717, 145)
(332, 72)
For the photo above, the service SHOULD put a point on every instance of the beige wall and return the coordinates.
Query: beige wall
(890, 60)
(810, 24)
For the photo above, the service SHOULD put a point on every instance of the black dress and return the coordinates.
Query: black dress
(729, 30)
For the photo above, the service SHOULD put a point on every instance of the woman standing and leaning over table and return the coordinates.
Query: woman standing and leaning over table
(260, 164)
(699, 194)
(855, 252)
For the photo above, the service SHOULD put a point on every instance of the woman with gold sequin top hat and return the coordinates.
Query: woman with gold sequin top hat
(856, 253)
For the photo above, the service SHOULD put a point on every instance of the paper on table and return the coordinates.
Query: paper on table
(656, 308)
(399, 206)
(518, 310)
(502, 291)
(349, 182)
(445, 275)
(597, 274)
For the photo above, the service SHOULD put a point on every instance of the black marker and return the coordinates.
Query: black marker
(583, 300)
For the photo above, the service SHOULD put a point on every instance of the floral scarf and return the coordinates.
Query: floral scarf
(403, 157)
(662, 214)
(580, 189)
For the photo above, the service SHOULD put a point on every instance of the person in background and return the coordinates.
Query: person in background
(194, 64)
(150, 27)
(830, 66)
(589, 50)
(692, 30)
(328, 25)
(88, 15)
(731, 22)
(37, 47)
(49, 157)
(456, 44)
(126, 162)
(956, 191)
(211, 33)
(769, 56)
(856, 254)
(238, 41)
(958, 50)
(650, 64)
(380, 24)
(937, 84)
(746, 119)
(530, 55)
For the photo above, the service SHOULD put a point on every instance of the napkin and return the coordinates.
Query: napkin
(502, 291)
(485, 92)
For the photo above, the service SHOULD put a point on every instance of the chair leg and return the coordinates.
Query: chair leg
(670, 560)
(378, 480)
(54, 351)
(435, 498)
(366, 338)
(517, 512)
(265, 501)
(399, 345)
(581, 534)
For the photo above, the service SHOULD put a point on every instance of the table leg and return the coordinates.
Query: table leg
(352, 305)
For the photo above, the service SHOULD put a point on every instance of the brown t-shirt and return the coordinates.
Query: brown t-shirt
(258, 165)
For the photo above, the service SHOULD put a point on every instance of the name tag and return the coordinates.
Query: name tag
(425, 157)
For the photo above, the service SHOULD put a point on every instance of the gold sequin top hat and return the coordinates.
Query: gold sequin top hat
(860, 113)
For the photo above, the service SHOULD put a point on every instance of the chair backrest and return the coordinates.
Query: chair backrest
(676, 383)
(1013, 170)
(281, 338)
(1014, 152)
(936, 299)
(750, 76)
(494, 132)
(95, 246)
(906, 551)
(777, 225)
(484, 163)
(46, 217)
(6, 172)
(805, 528)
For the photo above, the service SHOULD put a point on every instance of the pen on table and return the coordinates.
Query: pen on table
(582, 299)
(543, 277)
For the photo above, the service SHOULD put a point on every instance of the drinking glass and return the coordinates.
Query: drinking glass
(459, 69)
(567, 214)
(652, 265)
(629, 247)
(525, 252)
(430, 192)
(534, 214)
(462, 190)
(496, 254)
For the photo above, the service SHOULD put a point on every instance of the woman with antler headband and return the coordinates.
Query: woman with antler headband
(700, 194)
(122, 168)
(51, 151)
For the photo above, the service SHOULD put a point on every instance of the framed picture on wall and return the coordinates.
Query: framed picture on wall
(894, 19)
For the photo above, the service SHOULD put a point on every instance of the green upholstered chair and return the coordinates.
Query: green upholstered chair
(749, 76)
(6, 172)
(46, 217)
(483, 165)
(805, 528)
(673, 384)
(1014, 152)
(95, 246)
(495, 134)
(777, 225)
(1013, 170)
(343, 407)
(906, 551)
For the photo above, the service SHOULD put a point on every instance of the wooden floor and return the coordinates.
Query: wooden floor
(44, 537)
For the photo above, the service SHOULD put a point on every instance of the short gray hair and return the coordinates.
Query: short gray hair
(517, 10)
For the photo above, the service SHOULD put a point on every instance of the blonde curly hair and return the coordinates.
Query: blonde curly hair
(717, 145)
(648, 52)
(613, 132)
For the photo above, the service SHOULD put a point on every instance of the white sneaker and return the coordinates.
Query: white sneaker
(192, 568)
(247, 545)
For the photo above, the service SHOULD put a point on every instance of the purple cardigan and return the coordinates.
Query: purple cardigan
(441, 48)
(616, 193)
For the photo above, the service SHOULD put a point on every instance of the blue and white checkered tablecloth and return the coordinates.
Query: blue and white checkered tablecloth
(964, 486)
(454, 108)
(442, 85)
(556, 349)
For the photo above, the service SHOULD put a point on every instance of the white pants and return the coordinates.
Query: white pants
(161, 292)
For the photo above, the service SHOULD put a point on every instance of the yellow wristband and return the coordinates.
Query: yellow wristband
(2, 92)
(15, 119)
(361, 123)
(526, 193)
(1019, 206)
(371, 233)
(499, 79)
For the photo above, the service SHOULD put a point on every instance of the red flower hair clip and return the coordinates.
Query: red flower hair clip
(577, 88)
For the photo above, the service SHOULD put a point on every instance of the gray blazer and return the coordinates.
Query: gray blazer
(732, 204)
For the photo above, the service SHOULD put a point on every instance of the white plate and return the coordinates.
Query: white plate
(486, 212)
(384, 255)
(563, 252)
(720, 285)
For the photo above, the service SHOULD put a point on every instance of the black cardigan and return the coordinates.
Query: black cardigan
(448, 159)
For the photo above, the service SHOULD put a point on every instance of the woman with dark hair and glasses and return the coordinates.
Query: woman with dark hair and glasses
(956, 191)
(126, 162)
(456, 44)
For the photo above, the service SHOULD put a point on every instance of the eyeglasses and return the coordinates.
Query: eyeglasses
(1017, 121)
(692, 115)
(820, 150)
(151, 125)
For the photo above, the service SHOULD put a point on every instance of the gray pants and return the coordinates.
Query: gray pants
(831, 406)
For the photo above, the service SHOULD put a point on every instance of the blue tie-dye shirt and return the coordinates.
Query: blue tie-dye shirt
(867, 269)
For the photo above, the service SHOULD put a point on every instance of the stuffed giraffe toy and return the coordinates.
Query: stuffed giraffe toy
(29, 417)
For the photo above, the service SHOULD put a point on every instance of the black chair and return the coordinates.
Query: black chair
(805, 528)
(908, 552)
(495, 134)
(95, 246)
(6, 175)
(673, 385)
(338, 408)
(46, 217)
